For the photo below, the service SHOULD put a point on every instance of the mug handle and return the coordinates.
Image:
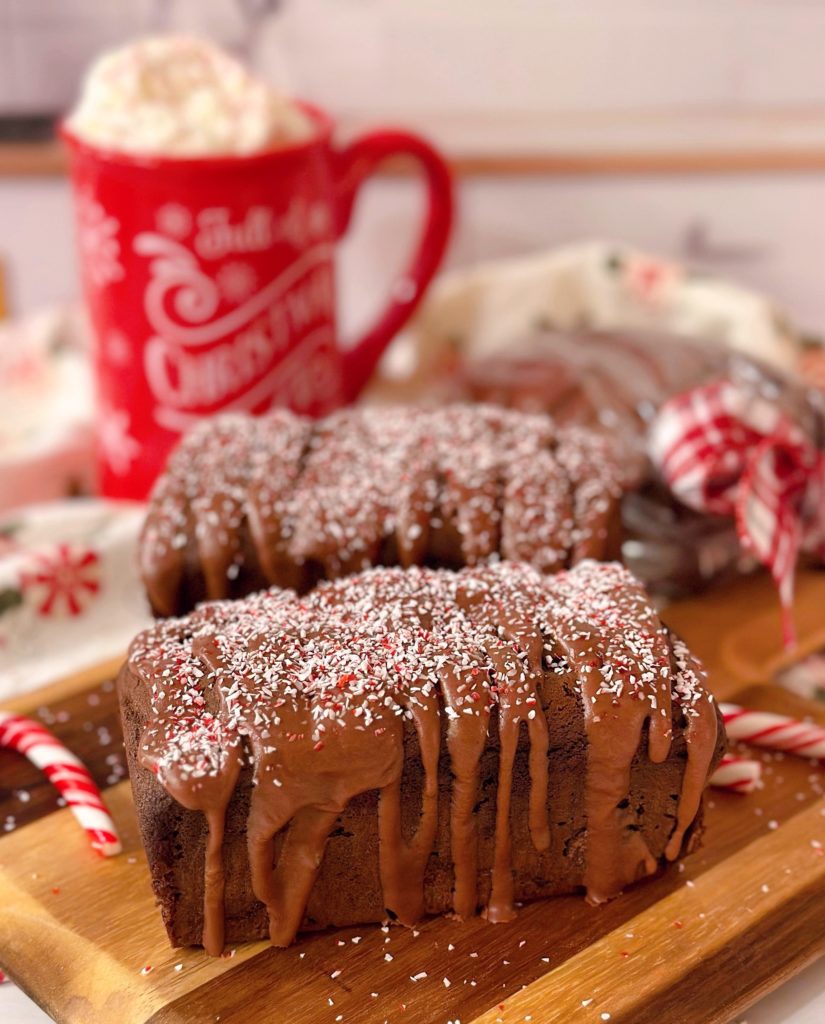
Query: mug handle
(352, 166)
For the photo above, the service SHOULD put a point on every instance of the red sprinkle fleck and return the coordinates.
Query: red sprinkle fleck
(678, 924)
(56, 889)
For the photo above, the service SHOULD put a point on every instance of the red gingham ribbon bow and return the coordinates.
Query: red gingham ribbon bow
(725, 451)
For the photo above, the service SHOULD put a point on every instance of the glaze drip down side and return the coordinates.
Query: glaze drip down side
(322, 696)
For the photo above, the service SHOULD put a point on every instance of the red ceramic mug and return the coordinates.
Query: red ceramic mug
(210, 284)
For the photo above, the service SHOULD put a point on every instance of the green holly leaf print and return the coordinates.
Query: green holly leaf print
(10, 529)
(10, 598)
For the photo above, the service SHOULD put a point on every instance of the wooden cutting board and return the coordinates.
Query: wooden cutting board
(696, 945)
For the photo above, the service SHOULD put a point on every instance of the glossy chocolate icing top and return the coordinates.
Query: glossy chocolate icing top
(315, 691)
(283, 500)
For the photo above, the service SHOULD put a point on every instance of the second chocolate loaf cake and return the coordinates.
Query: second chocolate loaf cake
(282, 500)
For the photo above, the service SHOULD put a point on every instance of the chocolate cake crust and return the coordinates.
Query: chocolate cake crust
(402, 743)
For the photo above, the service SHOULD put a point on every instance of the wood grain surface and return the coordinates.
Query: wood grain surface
(736, 630)
(695, 945)
(48, 160)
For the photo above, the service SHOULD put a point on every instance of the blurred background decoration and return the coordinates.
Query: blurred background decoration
(695, 130)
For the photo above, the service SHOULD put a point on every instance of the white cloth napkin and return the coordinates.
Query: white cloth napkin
(600, 285)
(70, 596)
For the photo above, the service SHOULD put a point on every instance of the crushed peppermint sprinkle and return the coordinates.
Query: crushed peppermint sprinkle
(365, 649)
(688, 683)
(272, 496)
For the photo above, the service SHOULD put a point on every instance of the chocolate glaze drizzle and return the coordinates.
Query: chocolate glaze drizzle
(282, 500)
(315, 691)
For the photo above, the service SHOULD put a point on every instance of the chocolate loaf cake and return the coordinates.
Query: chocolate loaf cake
(401, 743)
(245, 503)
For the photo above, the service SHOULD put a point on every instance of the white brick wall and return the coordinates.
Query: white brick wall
(459, 56)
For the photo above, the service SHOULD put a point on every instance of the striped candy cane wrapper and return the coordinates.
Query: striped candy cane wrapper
(728, 450)
(67, 774)
(774, 732)
(739, 774)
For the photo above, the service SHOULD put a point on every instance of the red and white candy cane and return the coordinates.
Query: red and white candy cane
(774, 732)
(67, 774)
(739, 774)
